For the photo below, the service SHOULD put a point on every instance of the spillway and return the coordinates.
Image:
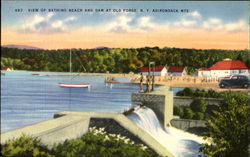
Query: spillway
(178, 142)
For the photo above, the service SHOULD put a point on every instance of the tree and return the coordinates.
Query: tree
(199, 105)
(229, 130)
(240, 57)
(125, 60)
(188, 113)
(199, 116)
(179, 111)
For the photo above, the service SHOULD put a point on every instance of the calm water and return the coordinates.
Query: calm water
(28, 99)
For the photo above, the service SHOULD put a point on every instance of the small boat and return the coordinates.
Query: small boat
(39, 75)
(73, 85)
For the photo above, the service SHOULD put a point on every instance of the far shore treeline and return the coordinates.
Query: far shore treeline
(115, 60)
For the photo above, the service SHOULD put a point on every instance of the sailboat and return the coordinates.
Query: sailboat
(72, 84)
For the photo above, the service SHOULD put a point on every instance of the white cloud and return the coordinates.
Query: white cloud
(215, 24)
(212, 24)
(237, 26)
(186, 23)
(215, 21)
(45, 24)
(71, 18)
(130, 24)
(195, 14)
(57, 24)
(32, 24)
(145, 23)
(133, 24)
(120, 24)
(190, 20)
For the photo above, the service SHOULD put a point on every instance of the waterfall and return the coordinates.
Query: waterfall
(178, 142)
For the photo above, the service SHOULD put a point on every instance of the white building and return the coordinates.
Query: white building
(177, 71)
(158, 70)
(224, 68)
(203, 72)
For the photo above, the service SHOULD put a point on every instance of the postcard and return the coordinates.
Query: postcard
(133, 70)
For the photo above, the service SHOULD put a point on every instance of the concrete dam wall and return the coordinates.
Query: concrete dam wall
(186, 101)
(72, 125)
(160, 101)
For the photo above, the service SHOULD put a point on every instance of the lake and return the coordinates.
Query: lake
(28, 99)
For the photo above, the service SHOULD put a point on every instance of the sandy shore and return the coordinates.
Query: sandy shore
(213, 85)
(205, 86)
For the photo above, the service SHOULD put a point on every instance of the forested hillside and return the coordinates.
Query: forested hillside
(115, 60)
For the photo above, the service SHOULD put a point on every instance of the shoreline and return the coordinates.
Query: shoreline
(204, 86)
(171, 81)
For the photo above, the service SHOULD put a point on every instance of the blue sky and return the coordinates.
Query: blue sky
(231, 17)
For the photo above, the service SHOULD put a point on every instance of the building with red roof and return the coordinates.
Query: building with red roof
(225, 68)
(6, 69)
(158, 70)
(177, 71)
(163, 71)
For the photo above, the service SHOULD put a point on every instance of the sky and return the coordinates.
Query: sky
(126, 24)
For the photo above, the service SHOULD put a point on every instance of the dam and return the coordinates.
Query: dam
(142, 126)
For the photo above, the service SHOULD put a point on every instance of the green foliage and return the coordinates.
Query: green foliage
(14, 63)
(25, 146)
(229, 129)
(99, 143)
(185, 92)
(196, 111)
(95, 143)
(116, 60)
(188, 113)
(199, 116)
(240, 97)
(179, 111)
(199, 105)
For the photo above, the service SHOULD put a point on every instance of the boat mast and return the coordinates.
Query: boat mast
(70, 61)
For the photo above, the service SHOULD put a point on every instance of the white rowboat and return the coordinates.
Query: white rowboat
(73, 85)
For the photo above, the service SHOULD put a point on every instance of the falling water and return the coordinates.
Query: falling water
(180, 143)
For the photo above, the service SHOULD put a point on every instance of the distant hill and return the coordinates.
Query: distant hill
(22, 47)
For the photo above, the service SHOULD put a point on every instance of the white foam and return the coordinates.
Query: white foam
(180, 143)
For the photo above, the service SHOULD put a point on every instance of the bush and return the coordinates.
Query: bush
(199, 105)
(188, 113)
(229, 129)
(185, 92)
(99, 143)
(179, 111)
(25, 146)
(199, 116)
(95, 143)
